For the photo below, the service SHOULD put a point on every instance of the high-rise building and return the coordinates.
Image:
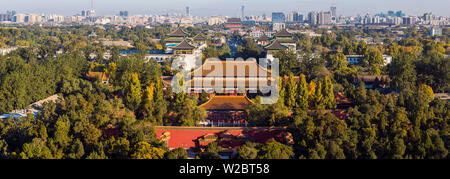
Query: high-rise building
(292, 16)
(243, 12)
(33, 18)
(19, 18)
(436, 31)
(188, 11)
(278, 17)
(312, 18)
(391, 13)
(88, 13)
(11, 13)
(4, 17)
(428, 18)
(333, 11)
(123, 13)
(8, 16)
(409, 20)
(299, 18)
(324, 18)
(399, 14)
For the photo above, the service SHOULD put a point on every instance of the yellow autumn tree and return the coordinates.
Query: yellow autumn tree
(144, 150)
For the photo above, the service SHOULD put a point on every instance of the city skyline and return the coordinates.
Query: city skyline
(227, 8)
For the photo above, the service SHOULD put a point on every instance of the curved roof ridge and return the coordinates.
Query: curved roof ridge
(178, 33)
(283, 33)
(253, 60)
(222, 104)
(184, 45)
(275, 45)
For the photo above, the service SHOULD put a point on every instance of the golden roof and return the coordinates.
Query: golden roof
(216, 68)
(227, 103)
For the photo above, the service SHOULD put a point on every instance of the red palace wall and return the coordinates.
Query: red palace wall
(187, 137)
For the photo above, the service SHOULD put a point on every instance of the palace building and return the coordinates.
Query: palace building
(175, 38)
(226, 111)
(273, 48)
(183, 48)
(227, 82)
(263, 40)
(286, 38)
(282, 40)
(199, 39)
(233, 24)
(227, 77)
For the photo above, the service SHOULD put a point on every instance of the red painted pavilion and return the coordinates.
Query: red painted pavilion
(234, 24)
(226, 111)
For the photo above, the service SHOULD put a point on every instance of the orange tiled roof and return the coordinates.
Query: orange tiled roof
(101, 75)
(177, 33)
(191, 137)
(226, 82)
(283, 33)
(211, 68)
(227, 103)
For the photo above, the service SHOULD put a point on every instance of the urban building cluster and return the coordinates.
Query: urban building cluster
(278, 19)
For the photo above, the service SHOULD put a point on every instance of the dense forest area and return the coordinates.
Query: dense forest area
(407, 122)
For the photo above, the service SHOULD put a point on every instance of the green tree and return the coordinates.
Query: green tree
(361, 93)
(426, 92)
(213, 147)
(247, 151)
(302, 93)
(337, 62)
(144, 150)
(291, 89)
(402, 72)
(76, 150)
(203, 97)
(132, 90)
(37, 149)
(118, 148)
(190, 114)
(177, 153)
(161, 108)
(148, 105)
(275, 150)
(375, 60)
(328, 94)
(62, 129)
(318, 96)
(398, 148)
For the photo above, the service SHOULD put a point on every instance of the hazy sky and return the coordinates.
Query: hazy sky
(226, 7)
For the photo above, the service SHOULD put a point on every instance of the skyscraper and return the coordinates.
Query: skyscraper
(188, 11)
(408, 20)
(278, 17)
(293, 17)
(123, 13)
(333, 11)
(324, 18)
(300, 18)
(399, 14)
(428, 18)
(243, 12)
(391, 13)
(312, 17)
